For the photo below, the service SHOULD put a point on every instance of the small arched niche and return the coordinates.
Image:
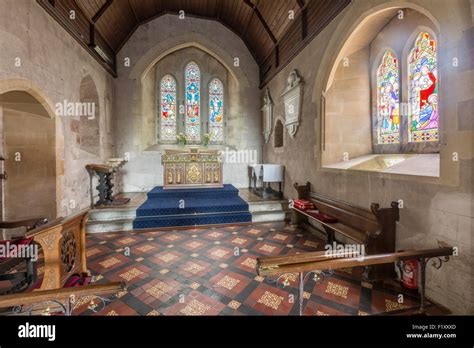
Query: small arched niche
(88, 135)
(351, 113)
(278, 134)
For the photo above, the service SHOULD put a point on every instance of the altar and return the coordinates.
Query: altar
(192, 167)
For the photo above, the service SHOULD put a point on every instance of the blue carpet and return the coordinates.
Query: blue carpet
(191, 207)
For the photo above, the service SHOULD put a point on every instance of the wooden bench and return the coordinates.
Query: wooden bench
(374, 228)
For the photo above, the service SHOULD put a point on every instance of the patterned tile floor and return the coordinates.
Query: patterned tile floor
(212, 272)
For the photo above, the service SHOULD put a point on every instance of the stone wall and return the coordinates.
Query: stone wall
(433, 208)
(150, 44)
(348, 131)
(39, 57)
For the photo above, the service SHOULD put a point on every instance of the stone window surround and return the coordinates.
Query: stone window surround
(431, 167)
(181, 118)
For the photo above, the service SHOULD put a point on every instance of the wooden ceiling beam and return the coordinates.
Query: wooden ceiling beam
(300, 3)
(304, 18)
(218, 12)
(251, 5)
(61, 15)
(101, 11)
(254, 7)
(137, 21)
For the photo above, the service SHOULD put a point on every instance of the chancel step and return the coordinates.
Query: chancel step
(113, 219)
(192, 207)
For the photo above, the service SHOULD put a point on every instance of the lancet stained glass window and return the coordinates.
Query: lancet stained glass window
(192, 123)
(168, 120)
(423, 90)
(388, 100)
(216, 111)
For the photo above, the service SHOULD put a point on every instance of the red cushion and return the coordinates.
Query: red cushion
(17, 241)
(321, 216)
(303, 204)
(76, 280)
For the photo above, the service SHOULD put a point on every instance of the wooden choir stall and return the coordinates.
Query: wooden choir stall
(63, 245)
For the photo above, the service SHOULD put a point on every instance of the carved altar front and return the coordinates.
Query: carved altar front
(192, 167)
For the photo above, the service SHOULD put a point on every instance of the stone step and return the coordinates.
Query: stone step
(269, 216)
(121, 219)
(110, 226)
(112, 214)
(268, 206)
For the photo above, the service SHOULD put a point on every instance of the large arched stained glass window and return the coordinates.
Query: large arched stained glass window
(388, 100)
(423, 90)
(168, 109)
(216, 111)
(192, 123)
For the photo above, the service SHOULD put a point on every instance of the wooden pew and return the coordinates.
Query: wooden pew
(63, 242)
(374, 228)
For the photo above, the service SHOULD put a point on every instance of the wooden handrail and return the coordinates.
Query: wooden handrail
(321, 261)
(27, 223)
(59, 294)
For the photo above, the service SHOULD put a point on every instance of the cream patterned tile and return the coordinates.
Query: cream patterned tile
(271, 300)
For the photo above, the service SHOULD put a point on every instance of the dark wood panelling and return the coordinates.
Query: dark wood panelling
(271, 35)
(80, 29)
(316, 15)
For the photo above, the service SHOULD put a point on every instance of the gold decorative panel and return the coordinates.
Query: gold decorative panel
(192, 167)
(193, 173)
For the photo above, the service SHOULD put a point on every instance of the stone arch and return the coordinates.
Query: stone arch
(181, 57)
(88, 129)
(166, 47)
(348, 72)
(28, 87)
(338, 46)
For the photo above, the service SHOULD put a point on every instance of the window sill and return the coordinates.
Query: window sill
(403, 164)
(163, 147)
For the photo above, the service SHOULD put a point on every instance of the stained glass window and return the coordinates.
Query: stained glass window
(388, 100)
(423, 90)
(216, 111)
(168, 119)
(192, 124)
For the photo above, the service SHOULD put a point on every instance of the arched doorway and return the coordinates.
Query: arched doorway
(28, 149)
